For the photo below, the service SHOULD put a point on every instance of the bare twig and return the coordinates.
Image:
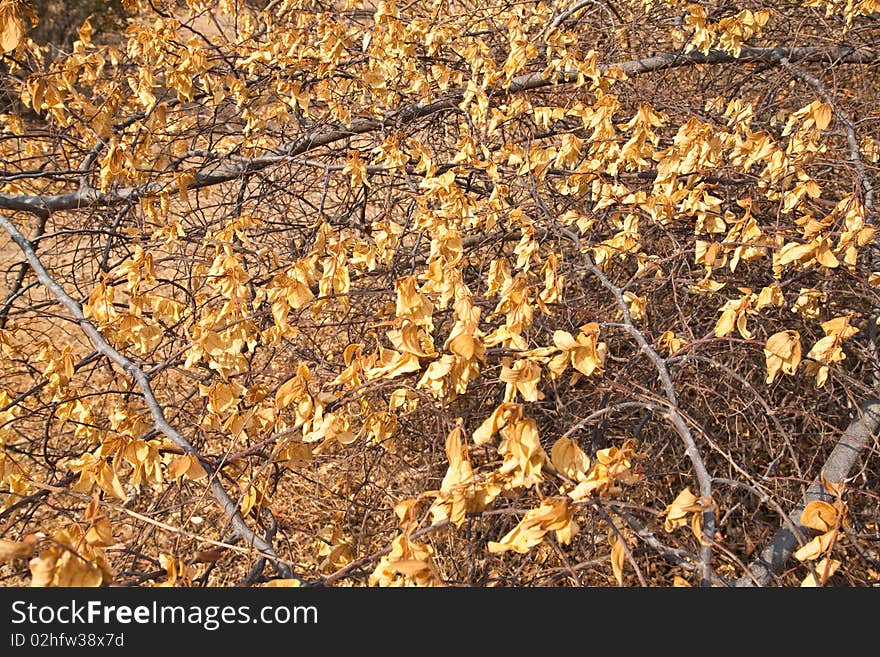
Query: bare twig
(683, 558)
(620, 537)
(575, 8)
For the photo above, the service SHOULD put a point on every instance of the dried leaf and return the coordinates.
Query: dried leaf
(23, 549)
(821, 516)
(816, 547)
(824, 569)
(554, 514)
(282, 583)
(677, 512)
(618, 559)
(12, 25)
(569, 459)
(782, 352)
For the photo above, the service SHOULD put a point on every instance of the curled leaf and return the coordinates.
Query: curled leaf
(618, 559)
(782, 352)
(819, 515)
(12, 26)
(569, 459)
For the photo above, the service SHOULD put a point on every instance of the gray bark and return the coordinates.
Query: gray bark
(843, 457)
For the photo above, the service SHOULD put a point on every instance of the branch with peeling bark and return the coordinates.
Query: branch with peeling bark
(160, 423)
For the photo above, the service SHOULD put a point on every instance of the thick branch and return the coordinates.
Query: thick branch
(230, 508)
(837, 468)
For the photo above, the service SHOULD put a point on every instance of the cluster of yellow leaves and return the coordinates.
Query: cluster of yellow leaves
(612, 466)
(728, 34)
(670, 342)
(827, 351)
(817, 246)
(136, 326)
(686, 509)
(177, 572)
(335, 549)
(735, 312)
(123, 452)
(461, 491)
(74, 556)
(13, 477)
(132, 311)
(409, 563)
(827, 519)
(849, 9)
(553, 515)
(556, 514)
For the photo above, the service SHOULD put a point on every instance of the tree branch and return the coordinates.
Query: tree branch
(216, 173)
(841, 460)
(229, 507)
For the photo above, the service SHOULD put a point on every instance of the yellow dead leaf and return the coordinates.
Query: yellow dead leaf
(187, 466)
(522, 378)
(458, 476)
(836, 488)
(99, 533)
(795, 252)
(408, 564)
(670, 342)
(817, 547)
(782, 352)
(677, 512)
(825, 569)
(585, 353)
(821, 516)
(618, 559)
(840, 327)
(808, 303)
(734, 313)
(770, 295)
(822, 115)
(524, 457)
(569, 459)
(283, 583)
(500, 416)
(12, 25)
(706, 286)
(637, 305)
